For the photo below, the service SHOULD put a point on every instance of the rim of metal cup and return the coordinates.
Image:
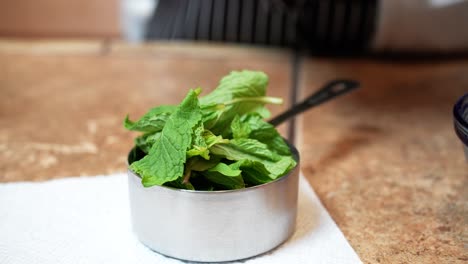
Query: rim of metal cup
(294, 152)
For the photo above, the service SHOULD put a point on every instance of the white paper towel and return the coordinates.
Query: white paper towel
(87, 220)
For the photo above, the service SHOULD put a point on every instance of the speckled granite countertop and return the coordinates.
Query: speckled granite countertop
(384, 161)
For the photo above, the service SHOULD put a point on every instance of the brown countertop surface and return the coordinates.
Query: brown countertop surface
(384, 160)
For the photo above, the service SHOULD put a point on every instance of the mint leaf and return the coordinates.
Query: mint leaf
(244, 148)
(237, 85)
(253, 126)
(199, 146)
(200, 164)
(280, 167)
(202, 140)
(166, 158)
(253, 150)
(211, 139)
(153, 121)
(217, 142)
(211, 113)
(225, 170)
(253, 172)
(226, 176)
(240, 129)
(239, 93)
(147, 140)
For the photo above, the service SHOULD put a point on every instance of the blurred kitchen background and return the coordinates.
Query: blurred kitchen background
(319, 26)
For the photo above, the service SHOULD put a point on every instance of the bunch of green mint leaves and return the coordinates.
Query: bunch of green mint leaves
(216, 142)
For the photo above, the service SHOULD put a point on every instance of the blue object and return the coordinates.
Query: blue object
(460, 115)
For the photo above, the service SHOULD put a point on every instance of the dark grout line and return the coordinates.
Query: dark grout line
(293, 96)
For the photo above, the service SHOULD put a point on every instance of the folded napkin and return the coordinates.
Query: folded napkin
(87, 220)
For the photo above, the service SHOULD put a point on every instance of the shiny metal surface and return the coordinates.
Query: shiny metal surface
(214, 226)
